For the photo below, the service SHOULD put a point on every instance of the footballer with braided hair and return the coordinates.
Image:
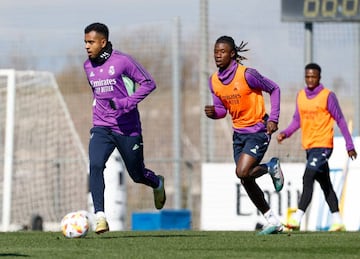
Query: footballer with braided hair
(237, 49)
(237, 89)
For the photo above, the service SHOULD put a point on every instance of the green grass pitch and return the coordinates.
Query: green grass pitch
(181, 244)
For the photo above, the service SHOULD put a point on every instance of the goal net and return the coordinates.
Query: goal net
(43, 167)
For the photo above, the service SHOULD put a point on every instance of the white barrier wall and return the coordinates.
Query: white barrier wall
(226, 206)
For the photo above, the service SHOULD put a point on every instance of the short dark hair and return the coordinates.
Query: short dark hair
(313, 66)
(99, 28)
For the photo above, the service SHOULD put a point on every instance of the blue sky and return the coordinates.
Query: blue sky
(72, 15)
(59, 24)
(277, 49)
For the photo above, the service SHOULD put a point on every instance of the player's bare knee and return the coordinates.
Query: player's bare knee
(241, 173)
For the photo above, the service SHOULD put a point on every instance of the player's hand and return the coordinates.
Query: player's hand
(271, 127)
(280, 137)
(122, 105)
(210, 111)
(113, 104)
(352, 154)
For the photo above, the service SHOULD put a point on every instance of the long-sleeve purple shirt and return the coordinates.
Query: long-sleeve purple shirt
(334, 109)
(107, 84)
(255, 81)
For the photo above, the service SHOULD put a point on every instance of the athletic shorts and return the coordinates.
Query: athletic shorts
(317, 158)
(253, 144)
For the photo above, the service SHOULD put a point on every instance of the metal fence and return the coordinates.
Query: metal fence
(276, 50)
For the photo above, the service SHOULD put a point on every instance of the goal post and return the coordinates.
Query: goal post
(8, 147)
(44, 166)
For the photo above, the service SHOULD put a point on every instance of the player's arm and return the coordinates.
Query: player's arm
(138, 74)
(293, 126)
(257, 81)
(336, 112)
(217, 110)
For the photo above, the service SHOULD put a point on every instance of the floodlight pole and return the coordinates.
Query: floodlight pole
(308, 59)
(205, 125)
(356, 131)
(176, 78)
(309, 42)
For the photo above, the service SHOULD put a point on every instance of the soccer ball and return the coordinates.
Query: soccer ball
(75, 224)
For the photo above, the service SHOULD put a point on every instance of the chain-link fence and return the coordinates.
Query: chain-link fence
(276, 50)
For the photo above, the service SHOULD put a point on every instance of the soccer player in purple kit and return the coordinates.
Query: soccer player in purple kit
(116, 119)
(316, 110)
(238, 89)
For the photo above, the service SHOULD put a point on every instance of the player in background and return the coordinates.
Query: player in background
(238, 89)
(315, 112)
(116, 119)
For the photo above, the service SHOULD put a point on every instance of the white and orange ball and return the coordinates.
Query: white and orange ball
(75, 224)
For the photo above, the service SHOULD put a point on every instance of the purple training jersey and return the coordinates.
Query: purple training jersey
(107, 84)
